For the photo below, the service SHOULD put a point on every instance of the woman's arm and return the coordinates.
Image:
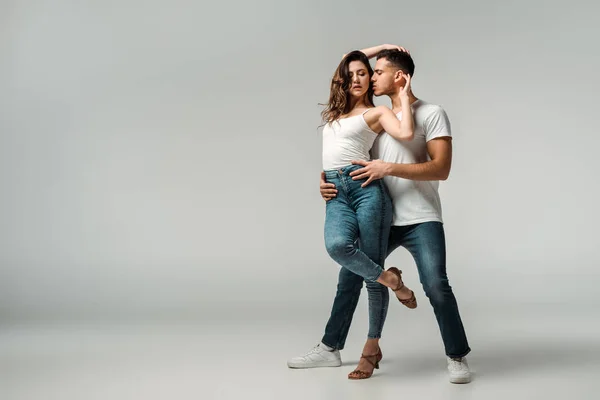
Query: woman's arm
(399, 129)
(407, 122)
(371, 52)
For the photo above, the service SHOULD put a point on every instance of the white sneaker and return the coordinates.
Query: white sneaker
(317, 357)
(459, 370)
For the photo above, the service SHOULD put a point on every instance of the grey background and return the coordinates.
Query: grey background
(160, 222)
(160, 160)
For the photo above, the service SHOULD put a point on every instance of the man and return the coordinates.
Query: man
(412, 171)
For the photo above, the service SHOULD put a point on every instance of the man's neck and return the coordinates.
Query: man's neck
(396, 105)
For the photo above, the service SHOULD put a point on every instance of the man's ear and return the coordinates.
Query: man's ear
(399, 75)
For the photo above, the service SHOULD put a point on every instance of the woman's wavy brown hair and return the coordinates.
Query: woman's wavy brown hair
(339, 94)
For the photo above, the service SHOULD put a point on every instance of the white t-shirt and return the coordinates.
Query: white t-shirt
(414, 201)
(345, 140)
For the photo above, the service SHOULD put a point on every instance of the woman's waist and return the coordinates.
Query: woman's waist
(338, 172)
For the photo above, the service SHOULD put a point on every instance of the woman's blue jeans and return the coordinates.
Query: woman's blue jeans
(357, 226)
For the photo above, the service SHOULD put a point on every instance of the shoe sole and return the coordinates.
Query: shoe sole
(318, 365)
(460, 380)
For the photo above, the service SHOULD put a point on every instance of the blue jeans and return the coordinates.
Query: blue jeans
(363, 215)
(427, 244)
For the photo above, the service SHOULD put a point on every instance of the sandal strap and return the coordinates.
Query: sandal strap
(368, 358)
(361, 374)
(398, 273)
(409, 302)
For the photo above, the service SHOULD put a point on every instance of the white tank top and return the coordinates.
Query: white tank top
(345, 140)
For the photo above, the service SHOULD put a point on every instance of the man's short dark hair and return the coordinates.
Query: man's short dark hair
(399, 59)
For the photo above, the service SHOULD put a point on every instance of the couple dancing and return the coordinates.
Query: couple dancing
(381, 169)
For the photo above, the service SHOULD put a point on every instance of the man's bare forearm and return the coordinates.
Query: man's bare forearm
(427, 171)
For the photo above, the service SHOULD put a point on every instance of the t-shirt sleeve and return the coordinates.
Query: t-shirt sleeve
(437, 124)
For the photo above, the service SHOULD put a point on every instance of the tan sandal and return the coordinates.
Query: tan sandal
(359, 374)
(410, 303)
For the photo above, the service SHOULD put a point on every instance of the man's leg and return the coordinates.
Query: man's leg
(327, 353)
(426, 242)
(345, 302)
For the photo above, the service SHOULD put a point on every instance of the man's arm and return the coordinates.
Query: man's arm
(439, 146)
(328, 190)
(438, 169)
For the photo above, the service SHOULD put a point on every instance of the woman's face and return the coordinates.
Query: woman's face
(359, 79)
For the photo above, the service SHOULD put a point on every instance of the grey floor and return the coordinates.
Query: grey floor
(517, 354)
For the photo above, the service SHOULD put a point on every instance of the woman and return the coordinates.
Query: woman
(352, 123)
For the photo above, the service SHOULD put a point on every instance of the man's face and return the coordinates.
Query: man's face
(384, 78)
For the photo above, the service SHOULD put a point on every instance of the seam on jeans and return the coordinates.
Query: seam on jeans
(381, 220)
(349, 178)
(348, 193)
(380, 259)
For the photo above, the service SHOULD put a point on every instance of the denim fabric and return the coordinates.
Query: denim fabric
(427, 244)
(363, 215)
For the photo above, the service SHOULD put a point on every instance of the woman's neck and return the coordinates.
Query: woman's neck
(358, 103)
